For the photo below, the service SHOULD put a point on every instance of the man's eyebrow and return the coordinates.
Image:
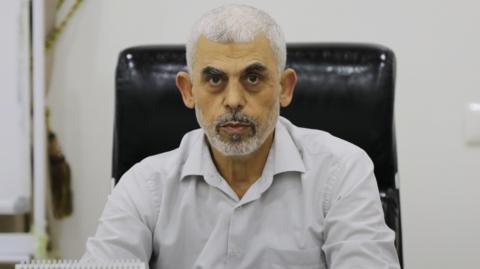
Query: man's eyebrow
(255, 68)
(212, 71)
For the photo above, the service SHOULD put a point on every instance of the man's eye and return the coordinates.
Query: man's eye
(215, 81)
(253, 78)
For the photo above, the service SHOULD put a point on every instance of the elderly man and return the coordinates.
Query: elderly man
(249, 189)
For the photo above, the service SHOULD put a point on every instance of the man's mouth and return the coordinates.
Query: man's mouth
(235, 127)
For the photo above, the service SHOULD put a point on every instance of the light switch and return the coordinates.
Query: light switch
(472, 124)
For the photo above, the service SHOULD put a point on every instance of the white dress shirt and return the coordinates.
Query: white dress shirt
(316, 205)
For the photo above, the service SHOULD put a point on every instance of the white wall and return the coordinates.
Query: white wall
(14, 108)
(438, 74)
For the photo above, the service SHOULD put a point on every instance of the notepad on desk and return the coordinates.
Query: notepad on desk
(74, 264)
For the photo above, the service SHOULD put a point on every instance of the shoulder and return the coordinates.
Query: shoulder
(169, 164)
(146, 182)
(319, 148)
(334, 166)
(157, 172)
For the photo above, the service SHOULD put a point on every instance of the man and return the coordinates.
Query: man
(249, 189)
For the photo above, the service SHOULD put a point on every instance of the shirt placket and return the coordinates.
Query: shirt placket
(236, 238)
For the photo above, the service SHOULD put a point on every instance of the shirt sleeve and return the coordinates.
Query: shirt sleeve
(125, 227)
(356, 235)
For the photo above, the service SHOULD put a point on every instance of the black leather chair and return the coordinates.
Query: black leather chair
(345, 89)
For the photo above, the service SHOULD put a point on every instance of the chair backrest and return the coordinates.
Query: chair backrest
(345, 89)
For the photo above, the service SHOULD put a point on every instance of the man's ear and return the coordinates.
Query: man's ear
(288, 82)
(184, 85)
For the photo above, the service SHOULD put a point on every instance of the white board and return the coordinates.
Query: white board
(15, 159)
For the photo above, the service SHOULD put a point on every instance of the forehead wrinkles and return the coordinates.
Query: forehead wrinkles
(233, 57)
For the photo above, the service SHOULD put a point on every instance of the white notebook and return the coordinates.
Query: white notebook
(74, 264)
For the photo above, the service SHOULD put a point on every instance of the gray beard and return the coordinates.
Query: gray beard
(239, 147)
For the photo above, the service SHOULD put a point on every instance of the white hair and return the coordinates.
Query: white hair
(237, 23)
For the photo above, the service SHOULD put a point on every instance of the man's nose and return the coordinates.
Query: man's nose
(234, 96)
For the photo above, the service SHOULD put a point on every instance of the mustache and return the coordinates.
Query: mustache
(235, 116)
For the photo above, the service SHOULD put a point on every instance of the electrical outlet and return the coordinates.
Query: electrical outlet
(472, 124)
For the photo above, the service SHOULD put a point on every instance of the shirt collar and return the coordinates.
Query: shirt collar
(284, 154)
(195, 151)
(286, 157)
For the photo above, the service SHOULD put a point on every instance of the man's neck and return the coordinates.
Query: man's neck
(241, 172)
